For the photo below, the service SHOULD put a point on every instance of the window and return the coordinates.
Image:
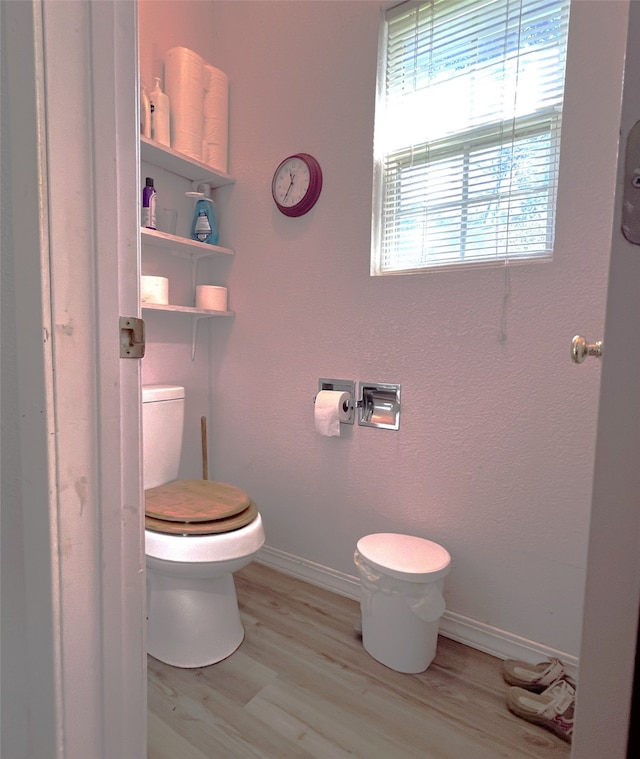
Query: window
(467, 138)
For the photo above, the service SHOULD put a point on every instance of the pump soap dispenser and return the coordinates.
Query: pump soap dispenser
(204, 227)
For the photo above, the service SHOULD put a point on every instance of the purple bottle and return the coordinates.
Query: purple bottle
(149, 205)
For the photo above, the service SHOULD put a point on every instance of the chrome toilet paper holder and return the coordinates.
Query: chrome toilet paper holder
(342, 386)
(378, 403)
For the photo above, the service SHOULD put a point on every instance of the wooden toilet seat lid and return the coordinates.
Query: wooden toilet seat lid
(195, 501)
(212, 527)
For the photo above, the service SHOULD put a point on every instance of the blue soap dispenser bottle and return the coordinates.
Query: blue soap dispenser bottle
(204, 227)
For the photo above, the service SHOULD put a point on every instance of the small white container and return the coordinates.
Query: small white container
(154, 290)
(211, 297)
(401, 578)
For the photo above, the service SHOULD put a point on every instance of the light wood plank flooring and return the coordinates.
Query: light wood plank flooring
(301, 685)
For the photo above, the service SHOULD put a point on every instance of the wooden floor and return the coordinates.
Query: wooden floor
(301, 685)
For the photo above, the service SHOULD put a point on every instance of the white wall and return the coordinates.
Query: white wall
(494, 456)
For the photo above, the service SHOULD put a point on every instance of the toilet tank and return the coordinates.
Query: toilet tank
(162, 429)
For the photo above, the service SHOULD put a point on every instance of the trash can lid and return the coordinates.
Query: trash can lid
(405, 556)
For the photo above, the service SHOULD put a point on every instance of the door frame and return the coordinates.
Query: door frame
(96, 661)
(86, 645)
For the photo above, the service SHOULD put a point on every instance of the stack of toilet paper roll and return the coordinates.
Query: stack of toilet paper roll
(216, 118)
(211, 297)
(199, 97)
(184, 84)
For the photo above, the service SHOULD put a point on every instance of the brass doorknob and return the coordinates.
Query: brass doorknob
(580, 349)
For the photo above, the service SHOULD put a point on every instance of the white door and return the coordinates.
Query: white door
(613, 571)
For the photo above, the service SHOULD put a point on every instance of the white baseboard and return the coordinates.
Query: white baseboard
(491, 640)
(500, 643)
(316, 574)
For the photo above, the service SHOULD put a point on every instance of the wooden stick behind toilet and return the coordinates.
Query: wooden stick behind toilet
(205, 462)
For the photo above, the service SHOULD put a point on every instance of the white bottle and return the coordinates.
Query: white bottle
(145, 112)
(159, 115)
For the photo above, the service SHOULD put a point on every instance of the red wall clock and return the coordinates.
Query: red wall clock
(296, 184)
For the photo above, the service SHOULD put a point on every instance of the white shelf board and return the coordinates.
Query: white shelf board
(181, 245)
(180, 164)
(184, 310)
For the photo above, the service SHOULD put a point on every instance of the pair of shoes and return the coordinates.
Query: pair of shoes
(533, 677)
(552, 709)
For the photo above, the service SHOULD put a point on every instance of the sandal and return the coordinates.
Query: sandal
(552, 709)
(533, 677)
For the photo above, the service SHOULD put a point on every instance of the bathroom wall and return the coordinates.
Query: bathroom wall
(494, 455)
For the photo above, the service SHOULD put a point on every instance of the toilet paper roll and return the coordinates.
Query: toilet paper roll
(184, 84)
(217, 157)
(154, 290)
(216, 118)
(216, 98)
(211, 297)
(331, 408)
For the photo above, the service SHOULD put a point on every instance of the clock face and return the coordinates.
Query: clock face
(296, 184)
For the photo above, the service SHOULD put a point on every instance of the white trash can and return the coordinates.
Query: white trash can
(401, 582)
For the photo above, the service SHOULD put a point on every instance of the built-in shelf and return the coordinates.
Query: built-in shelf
(182, 246)
(185, 310)
(182, 165)
(198, 172)
(196, 314)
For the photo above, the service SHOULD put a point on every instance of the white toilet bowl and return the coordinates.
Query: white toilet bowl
(193, 612)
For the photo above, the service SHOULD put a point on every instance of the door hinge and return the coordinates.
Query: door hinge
(131, 337)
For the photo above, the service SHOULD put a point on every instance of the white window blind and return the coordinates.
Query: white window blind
(467, 136)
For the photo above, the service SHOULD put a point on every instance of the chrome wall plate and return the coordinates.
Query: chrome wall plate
(379, 405)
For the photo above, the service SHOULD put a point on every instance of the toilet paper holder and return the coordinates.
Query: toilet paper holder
(342, 386)
(378, 403)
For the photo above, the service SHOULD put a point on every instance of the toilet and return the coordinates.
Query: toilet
(197, 534)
